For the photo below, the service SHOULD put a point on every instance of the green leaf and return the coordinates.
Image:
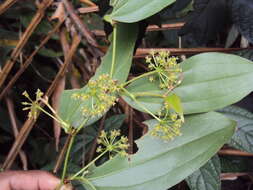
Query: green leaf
(71, 110)
(207, 177)
(211, 81)
(235, 164)
(243, 138)
(175, 103)
(114, 122)
(130, 11)
(159, 165)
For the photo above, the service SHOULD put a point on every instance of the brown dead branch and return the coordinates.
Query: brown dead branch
(60, 88)
(61, 155)
(80, 24)
(232, 176)
(26, 128)
(6, 5)
(14, 125)
(142, 52)
(24, 38)
(28, 61)
(233, 152)
(130, 131)
(94, 145)
(85, 10)
(56, 103)
(88, 2)
(151, 28)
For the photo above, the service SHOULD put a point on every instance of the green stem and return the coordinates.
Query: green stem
(88, 165)
(114, 49)
(67, 158)
(86, 181)
(139, 104)
(140, 94)
(52, 116)
(139, 77)
(82, 124)
(53, 111)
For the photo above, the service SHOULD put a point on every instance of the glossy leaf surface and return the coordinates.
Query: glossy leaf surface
(130, 11)
(207, 177)
(160, 165)
(70, 109)
(211, 81)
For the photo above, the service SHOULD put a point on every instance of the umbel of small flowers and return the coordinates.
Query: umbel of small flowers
(168, 127)
(169, 121)
(167, 69)
(101, 93)
(34, 106)
(113, 143)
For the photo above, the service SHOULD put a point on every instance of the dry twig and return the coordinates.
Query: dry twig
(25, 130)
(233, 152)
(6, 5)
(14, 125)
(29, 61)
(94, 145)
(24, 38)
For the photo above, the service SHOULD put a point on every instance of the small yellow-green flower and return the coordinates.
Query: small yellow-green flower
(101, 94)
(169, 123)
(32, 106)
(113, 143)
(167, 129)
(168, 70)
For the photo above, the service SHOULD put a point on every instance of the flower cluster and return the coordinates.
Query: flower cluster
(170, 119)
(101, 93)
(35, 106)
(168, 127)
(169, 72)
(113, 143)
(32, 105)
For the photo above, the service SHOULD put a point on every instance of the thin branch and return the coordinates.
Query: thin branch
(131, 131)
(24, 38)
(80, 24)
(85, 10)
(151, 28)
(6, 5)
(142, 52)
(27, 127)
(29, 60)
(88, 2)
(94, 145)
(14, 125)
(60, 88)
(233, 152)
(232, 176)
(61, 155)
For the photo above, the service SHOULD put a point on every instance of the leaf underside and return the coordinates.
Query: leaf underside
(160, 165)
(211, 81)
(130, 11)
(71, 110)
